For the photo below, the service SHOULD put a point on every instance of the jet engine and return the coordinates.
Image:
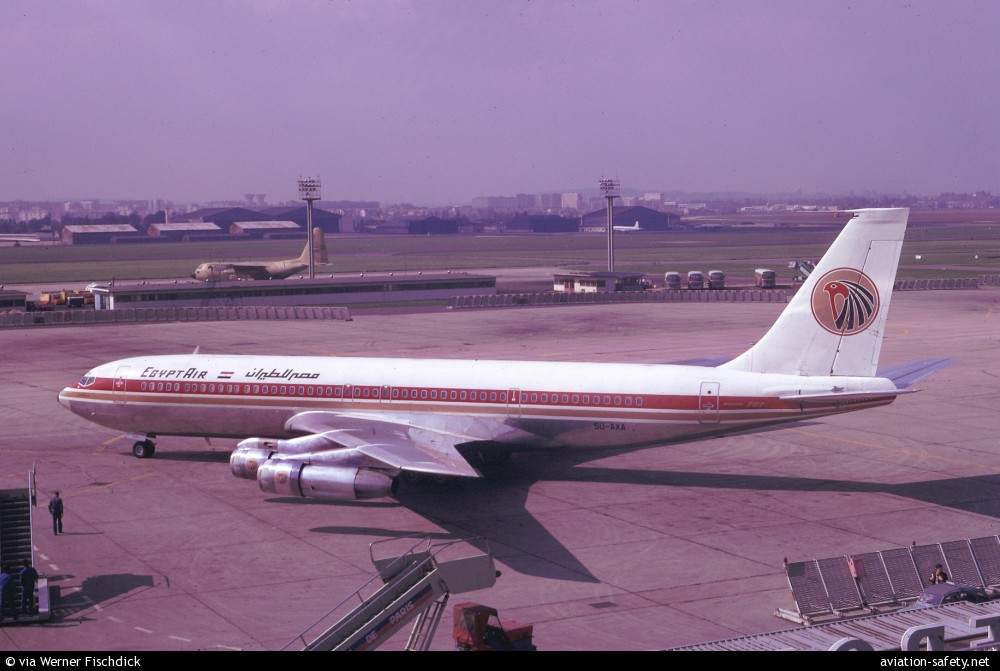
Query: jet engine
(244, 461)
(330, 483)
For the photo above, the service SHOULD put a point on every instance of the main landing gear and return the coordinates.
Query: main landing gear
(144, 449)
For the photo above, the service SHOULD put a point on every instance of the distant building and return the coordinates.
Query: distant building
(598, 282)
(526, 201)
(98, 234)
(326, 221)
(184, 230)
(570, 201)
(268, 229)
(223, 216)
(543, 223)
(649, 220)
(432, 226)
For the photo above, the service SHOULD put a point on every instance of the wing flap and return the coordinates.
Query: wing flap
(393, 443)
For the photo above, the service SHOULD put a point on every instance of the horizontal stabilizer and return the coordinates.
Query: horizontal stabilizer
(825, 398)
(905, 374)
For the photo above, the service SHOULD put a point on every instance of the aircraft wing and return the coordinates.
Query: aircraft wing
(397, 444)
(257, 271)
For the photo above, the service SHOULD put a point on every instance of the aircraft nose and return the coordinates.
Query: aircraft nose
(64, 399)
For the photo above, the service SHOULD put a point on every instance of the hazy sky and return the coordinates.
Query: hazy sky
(438, 102)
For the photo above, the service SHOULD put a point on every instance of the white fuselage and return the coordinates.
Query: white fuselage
(521, 404)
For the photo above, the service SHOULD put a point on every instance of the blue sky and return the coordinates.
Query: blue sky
(437, 102)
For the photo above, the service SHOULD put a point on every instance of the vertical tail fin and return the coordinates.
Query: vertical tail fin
(835, 323)
(319, 248)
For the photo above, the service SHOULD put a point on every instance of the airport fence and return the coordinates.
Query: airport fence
(940, 283)
(79, 317)
(548, 298)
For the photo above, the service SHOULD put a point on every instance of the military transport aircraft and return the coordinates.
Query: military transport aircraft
(264, 270)
(342, 428)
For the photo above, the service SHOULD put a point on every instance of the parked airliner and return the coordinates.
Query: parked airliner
(627, 229)
(345, 428)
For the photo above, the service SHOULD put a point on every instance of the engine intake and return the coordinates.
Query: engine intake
(328, 483)
(245, 461)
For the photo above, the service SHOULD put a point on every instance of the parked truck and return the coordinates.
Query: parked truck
(696, 279)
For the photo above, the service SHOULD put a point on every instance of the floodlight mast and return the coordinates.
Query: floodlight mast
(609, 187)
(309, 191)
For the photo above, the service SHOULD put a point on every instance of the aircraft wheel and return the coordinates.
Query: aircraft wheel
(143, 449)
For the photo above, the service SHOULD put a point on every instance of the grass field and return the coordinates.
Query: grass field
(952, 248)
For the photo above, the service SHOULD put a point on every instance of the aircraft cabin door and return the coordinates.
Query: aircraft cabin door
(119, 387)
(708, 403)
(383, 396)
(513, 402)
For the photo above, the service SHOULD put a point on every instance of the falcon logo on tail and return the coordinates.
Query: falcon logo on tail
(845, 301)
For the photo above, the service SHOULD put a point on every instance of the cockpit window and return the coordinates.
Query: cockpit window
(86, 380)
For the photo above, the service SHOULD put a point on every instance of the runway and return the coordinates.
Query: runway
(652, 549)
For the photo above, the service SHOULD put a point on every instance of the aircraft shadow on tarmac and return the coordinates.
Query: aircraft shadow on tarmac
(97, 590)
(219, 456)
(494, 508)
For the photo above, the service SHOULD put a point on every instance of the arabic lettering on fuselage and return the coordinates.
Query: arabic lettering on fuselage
(287, 374)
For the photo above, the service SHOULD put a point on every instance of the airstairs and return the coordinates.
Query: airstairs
(803, 268)
(865, 583)
(16, 545)
(412, 587)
